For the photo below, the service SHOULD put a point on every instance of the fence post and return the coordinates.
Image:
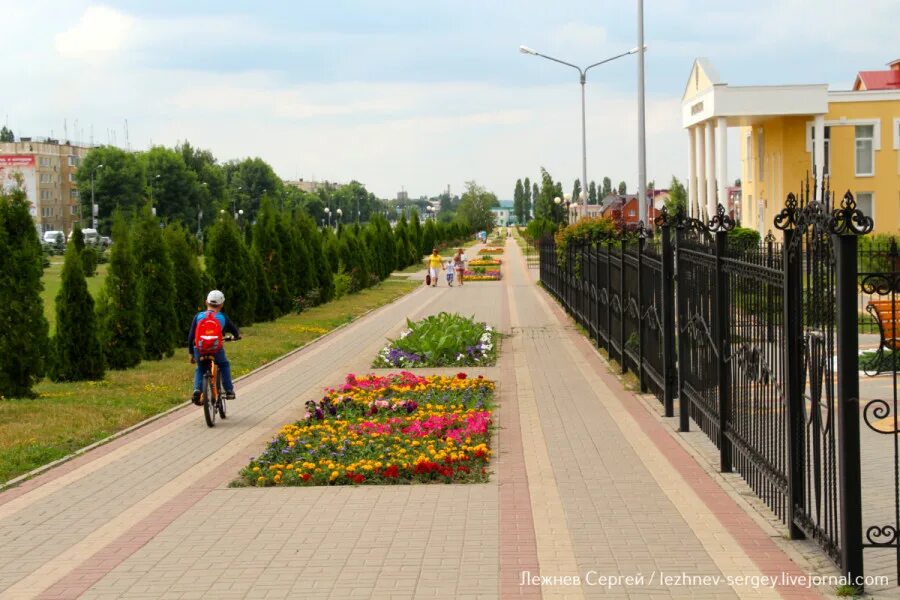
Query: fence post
(595, 276)
(844, 226)
(684, 417)
(668, 321)
(642, 238)
(792, 306)
(723, 362)
(609, 333)
(623, 362)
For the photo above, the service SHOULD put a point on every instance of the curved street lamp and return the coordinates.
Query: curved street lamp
(93, 205)
(582, 72)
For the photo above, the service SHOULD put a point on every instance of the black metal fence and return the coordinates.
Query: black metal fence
(758, 346)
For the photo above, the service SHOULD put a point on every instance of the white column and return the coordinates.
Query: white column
(710, 170)
(692, 170)
(819, 152)
(700, 186)
(722, 160)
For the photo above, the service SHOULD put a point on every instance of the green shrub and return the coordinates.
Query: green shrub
(742, 239)
(23, 335)
(229, 271)
(441, 340)
(89, 258)
(342, 283)
(121, 323)
(189, 289)
(76, 354)
(156, 287)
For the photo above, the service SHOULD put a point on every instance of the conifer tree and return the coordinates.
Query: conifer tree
(308, 232)
(76, 353)
(190, 291)
(272, 251)
(415, 234)
(78, 237)
(156, 288)
(121, 325)
(229, 271)
(264, 308)
(23, 337)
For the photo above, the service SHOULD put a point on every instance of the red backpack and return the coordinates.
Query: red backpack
(208, 336)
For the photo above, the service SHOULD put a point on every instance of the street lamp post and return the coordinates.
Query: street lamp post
(94, 206)
(583, 79)
(328, 214)
(339, 213)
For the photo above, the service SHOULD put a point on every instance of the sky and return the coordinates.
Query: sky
(413, 95)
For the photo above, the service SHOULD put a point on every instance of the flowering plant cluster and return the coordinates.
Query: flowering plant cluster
(481, 274)
(394, 429)
(441, 340)
(491, 250)
(489, 261)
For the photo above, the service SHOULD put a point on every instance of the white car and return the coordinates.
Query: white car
(51, 237)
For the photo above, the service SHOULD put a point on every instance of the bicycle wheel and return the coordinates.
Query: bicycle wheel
(209, 410)
(220, 396)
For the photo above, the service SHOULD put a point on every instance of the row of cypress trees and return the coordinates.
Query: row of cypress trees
(155, 284)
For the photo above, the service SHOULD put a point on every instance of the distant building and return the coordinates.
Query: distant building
(403, 196)
(625, 208)
(503, 216)
(47, 167)
(312, 186)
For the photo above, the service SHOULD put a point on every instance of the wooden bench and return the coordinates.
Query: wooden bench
(887, 314)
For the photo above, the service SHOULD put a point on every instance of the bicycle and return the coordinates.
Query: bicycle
(213, 395)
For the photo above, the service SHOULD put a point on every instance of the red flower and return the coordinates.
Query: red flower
(391, 472)
(305, 477)
(462, 469)
(359, 479)
(460, 375)
(447, 471)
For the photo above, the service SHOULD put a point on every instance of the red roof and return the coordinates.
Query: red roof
(878, 80)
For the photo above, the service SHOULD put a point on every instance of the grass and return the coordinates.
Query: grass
(52, 280)
(69, 416)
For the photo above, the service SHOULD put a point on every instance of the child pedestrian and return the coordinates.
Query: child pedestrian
(450, 273)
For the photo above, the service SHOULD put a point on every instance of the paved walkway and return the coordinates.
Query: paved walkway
(588, 485)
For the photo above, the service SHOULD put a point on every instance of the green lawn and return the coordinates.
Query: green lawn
(52, 280)
(68, 416)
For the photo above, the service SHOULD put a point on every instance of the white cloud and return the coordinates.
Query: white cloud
(101, 32)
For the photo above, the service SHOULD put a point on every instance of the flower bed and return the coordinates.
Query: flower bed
(480, 274)
(441, 340)
(490, 261)
(491, 250)
(394, 429)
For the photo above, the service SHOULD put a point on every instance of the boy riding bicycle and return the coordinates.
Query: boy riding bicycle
(205, 337)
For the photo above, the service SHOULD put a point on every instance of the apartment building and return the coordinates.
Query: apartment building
(47, 168)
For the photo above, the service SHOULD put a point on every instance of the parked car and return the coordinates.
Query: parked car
(91, 237)
(53, 238)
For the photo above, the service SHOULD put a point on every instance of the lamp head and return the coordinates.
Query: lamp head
(527, 50)
(557, 200)
(636, 48)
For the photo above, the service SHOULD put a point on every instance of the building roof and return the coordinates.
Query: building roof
(879, 80)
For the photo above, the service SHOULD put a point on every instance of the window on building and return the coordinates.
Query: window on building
(865, 201)
(45, 177)
(71, 177)
(865, 150)
(761, 156)
(45, 194)
(73, 193)
(44, 161)
(73, 210)
(46, 212)
(632, 212)
(827, 148)
(73, 161)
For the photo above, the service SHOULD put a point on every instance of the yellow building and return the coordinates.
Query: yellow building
(790, 131)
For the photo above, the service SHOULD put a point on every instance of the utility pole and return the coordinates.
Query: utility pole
(642, 150)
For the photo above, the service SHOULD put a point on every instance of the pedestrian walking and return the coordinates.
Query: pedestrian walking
(459, 264)
(450, 270)
(435, 266)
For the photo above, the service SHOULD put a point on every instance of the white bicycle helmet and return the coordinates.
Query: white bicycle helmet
(215, 298)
